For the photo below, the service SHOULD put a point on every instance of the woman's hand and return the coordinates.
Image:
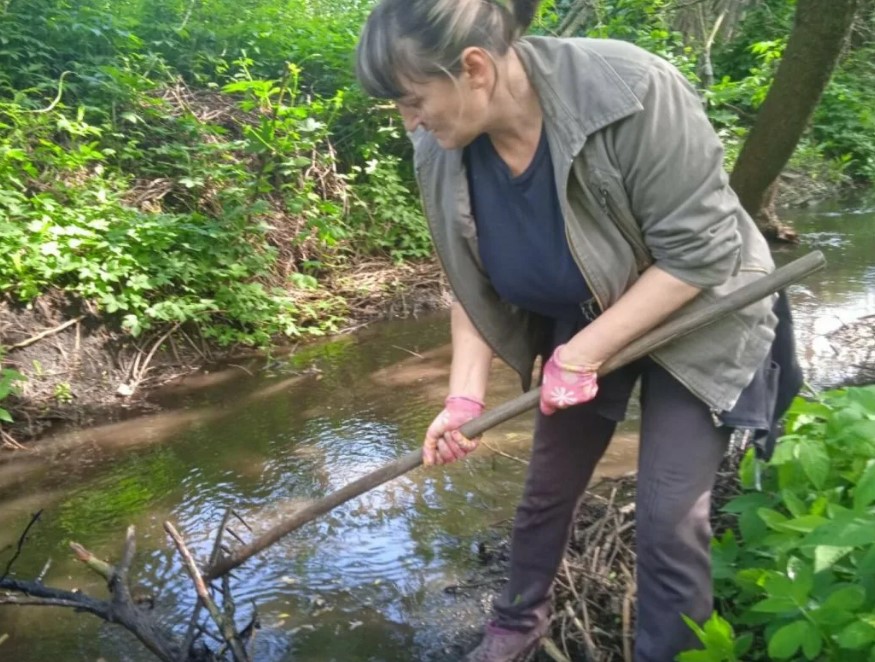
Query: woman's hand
(443, 441)
(566, 385)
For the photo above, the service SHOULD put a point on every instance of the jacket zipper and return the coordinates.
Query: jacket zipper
(638, 248)
(583, 271)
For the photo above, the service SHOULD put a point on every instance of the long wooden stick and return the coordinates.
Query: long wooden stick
(680, 326)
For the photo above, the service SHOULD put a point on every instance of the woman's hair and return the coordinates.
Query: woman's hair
(412, 40)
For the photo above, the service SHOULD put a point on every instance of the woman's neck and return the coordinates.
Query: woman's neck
(515, 119)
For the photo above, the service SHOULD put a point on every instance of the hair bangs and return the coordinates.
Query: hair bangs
(377, 60)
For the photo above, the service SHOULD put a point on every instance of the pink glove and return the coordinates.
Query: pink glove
(565, 385)
(443, 441)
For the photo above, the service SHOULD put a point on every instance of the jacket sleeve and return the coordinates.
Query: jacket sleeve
(672, 166)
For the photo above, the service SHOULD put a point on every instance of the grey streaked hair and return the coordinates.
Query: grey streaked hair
(412, 40)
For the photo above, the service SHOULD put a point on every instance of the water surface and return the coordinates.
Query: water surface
(367, 581)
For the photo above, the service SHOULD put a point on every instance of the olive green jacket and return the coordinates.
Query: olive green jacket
(639, 173)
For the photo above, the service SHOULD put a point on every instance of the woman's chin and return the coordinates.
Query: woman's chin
(449, 140)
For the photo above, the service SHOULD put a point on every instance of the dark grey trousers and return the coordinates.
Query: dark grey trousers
(680, 452)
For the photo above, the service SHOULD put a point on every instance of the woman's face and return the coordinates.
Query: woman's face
(449, 108)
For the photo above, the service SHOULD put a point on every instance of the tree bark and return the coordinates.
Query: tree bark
(819, 33)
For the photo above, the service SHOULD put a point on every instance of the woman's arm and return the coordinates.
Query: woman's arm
(469, 372)
(655, 296)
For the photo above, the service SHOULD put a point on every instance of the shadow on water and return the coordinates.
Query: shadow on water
(366, 581)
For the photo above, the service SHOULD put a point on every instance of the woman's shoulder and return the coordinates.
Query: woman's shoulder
(585, 55)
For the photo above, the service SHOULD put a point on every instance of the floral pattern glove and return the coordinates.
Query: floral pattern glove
(443, 441)
(565, 385)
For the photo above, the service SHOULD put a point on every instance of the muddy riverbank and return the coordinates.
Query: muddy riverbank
(79, 371)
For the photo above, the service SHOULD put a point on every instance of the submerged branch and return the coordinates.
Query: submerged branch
(21, 540)
(225, 627)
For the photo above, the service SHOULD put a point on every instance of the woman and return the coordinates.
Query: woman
(576, 196)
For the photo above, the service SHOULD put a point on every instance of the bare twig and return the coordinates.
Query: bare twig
(503, 454)
(409, 351)
(10, 442)
(21, 540)
(47, 333)
(226, 628)
(99, 566)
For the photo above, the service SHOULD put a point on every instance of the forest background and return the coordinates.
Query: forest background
(210, 168)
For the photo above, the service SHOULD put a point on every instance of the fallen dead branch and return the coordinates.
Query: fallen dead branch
(47, 333)
(136, 615)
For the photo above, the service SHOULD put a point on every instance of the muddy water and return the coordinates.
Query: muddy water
(367, 581)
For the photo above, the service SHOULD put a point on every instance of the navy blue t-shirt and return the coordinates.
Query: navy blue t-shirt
(521, 233)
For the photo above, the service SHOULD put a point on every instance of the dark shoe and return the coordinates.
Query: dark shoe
(502, 645)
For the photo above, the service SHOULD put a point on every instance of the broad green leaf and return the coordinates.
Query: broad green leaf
(742, 645)
(844, 531)
(803, 524)
(802, 576)
(814, 460)
(787, 640)
(747, 470)
(695, 627)
(863, 396)
(794, 504)
(812, 642)
(752, 527)
(784, 451)
(775, 606)
(5, 416)
(719, 627)
(718, 636)
(810, 407)
(746, 502)
(772, 518)
(849, 598)
(864, 493)
(866, 566)
(832, 618)
(825, 556)
(856, 635)
(778, 586)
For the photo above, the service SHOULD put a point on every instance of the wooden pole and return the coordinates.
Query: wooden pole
(683, 324)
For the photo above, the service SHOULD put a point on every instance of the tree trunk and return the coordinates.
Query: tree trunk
(819, 33)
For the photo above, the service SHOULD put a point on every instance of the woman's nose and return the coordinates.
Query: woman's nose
(410, 118)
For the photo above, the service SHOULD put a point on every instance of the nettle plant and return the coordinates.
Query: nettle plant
(796, 580)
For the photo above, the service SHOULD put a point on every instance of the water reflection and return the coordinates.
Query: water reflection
(365, 581)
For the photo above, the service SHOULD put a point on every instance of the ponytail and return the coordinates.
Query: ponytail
(524, 14)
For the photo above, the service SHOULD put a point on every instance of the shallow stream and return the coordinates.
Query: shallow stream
(367, 581)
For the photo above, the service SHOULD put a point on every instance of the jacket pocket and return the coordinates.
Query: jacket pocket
(625, 223)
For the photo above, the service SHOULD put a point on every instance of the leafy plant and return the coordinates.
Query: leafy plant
(798, 575)
(9, 380)
(387, 216)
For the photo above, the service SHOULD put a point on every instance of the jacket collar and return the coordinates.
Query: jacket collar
(579, 91)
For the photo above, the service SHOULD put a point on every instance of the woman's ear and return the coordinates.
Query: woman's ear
(478, 68)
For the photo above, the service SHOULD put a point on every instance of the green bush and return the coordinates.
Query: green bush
(796, 577)
(844, 123)
(199, 99)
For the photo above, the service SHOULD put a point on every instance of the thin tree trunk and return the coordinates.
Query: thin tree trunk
(819, 33)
